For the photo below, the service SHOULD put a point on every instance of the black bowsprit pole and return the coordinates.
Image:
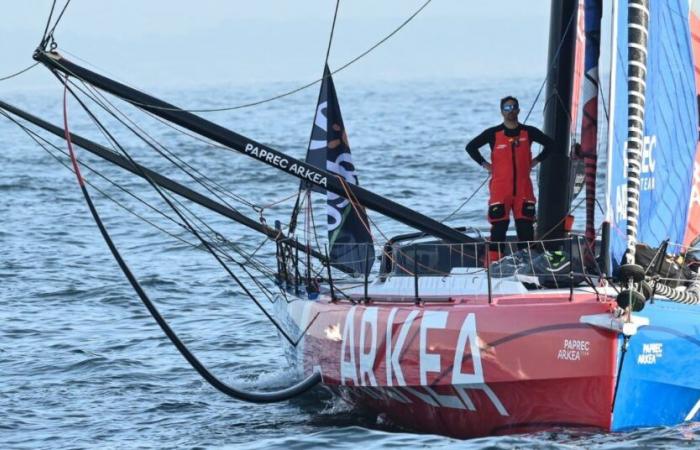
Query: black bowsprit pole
(253, 149)
(168, 183)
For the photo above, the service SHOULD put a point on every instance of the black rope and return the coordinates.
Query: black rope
(60, 16)
(253, 397)
(42, 44)
(18, 73)
(295, 210)
(201, 178)
(330, 38)
(38, 140)
(213, 234)
(184, 219)
(300, 88)
(551, 67)
(483, 183)
(249, 258)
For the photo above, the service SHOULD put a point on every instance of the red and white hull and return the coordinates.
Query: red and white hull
(464, 367)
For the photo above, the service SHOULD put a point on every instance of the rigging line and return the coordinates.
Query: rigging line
(468, 199)
(330, 39)
(95, 171)
(19, 72)
(48, 23)
(274, 203)
(60, 16)
(312, 231)
(300, 88)
(459, 207)
(356, 205)
(605, 106)
(37, 139)
(174, 208)
(145, 135)
(255, 397)
(120, 204)
(542, 238)
(600, 207)
(264, 272)
(549, 69)
(209, 184)
(563, 106)
(212, 144)
(313, 224)
(295, 209)
(213, 235)
(114, 142)
(214, 184)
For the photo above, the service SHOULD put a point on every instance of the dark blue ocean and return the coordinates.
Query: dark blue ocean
(83, 364)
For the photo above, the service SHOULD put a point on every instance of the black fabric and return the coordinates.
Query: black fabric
(524, 228)
(668, 269)
(526, 231)
(498, 233)
(529, 209)
(497, 211)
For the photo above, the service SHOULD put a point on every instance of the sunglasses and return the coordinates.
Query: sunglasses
(509, 108)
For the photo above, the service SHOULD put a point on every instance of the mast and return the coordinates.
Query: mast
(605, 241)
(167, 183)
(251, 148)
(554, 172)
(637, 34)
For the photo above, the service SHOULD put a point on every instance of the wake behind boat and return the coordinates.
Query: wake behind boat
(594, 329)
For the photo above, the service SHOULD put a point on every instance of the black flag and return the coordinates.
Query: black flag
(349, 236)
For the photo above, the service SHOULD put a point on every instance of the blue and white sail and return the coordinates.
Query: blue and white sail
(349, 236)
(657, 383)
(670, 129)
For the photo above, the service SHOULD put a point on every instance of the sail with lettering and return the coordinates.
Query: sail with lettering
(693, 226)
(349, 234)
(670, 135)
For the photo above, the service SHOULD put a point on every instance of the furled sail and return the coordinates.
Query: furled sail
(589, 121)
(670, 132)
(579, 57)
(349, 236)
(575, 160)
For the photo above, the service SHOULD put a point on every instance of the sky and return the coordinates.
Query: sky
(209, 42)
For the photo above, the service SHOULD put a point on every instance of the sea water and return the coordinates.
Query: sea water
(83, 364)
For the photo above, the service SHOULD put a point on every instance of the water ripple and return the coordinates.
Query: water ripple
(82, 363)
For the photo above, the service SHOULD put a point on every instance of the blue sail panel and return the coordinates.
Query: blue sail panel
(670, 132)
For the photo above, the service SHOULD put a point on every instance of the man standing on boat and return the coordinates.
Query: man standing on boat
(510, 188)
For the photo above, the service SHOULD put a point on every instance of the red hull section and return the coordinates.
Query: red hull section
(467, 368)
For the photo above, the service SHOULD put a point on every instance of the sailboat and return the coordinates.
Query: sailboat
(439, 338)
